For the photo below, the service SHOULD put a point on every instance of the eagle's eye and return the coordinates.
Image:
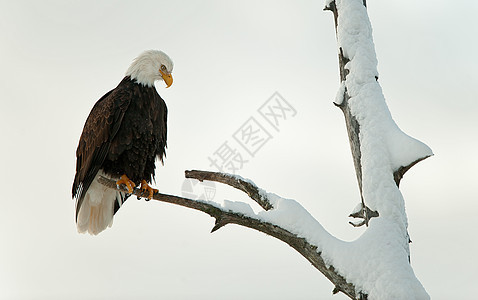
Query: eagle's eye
(163, 68)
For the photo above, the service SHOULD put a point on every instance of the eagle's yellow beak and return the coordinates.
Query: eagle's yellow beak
(168, 78)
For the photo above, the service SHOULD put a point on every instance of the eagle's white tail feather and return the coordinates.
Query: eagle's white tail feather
(97, 210)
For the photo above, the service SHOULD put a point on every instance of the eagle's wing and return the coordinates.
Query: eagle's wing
(100, 128)
(161, 118)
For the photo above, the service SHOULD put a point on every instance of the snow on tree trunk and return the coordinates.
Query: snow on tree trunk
(381, 267)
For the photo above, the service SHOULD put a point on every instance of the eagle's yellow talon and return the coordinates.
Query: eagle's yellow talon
(145, 187)
(127, 182)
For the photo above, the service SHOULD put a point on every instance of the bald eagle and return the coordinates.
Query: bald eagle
(123, 135)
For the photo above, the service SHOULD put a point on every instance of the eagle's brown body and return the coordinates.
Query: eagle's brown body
(124, 133)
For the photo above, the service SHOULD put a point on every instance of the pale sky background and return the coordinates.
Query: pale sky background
(58, 58)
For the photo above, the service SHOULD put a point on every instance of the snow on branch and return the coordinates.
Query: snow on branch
(282, 219)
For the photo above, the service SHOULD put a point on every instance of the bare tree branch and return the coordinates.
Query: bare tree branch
(247, 187)
(398, 174)
(224, 217)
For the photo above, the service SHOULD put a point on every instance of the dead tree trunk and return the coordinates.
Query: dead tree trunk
(353, 127)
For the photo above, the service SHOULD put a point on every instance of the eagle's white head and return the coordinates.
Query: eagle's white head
(151, 65)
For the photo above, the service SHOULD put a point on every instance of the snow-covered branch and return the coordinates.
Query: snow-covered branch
(284, 219)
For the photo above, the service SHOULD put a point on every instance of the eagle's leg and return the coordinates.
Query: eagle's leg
(127, 182)
(145, 187)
